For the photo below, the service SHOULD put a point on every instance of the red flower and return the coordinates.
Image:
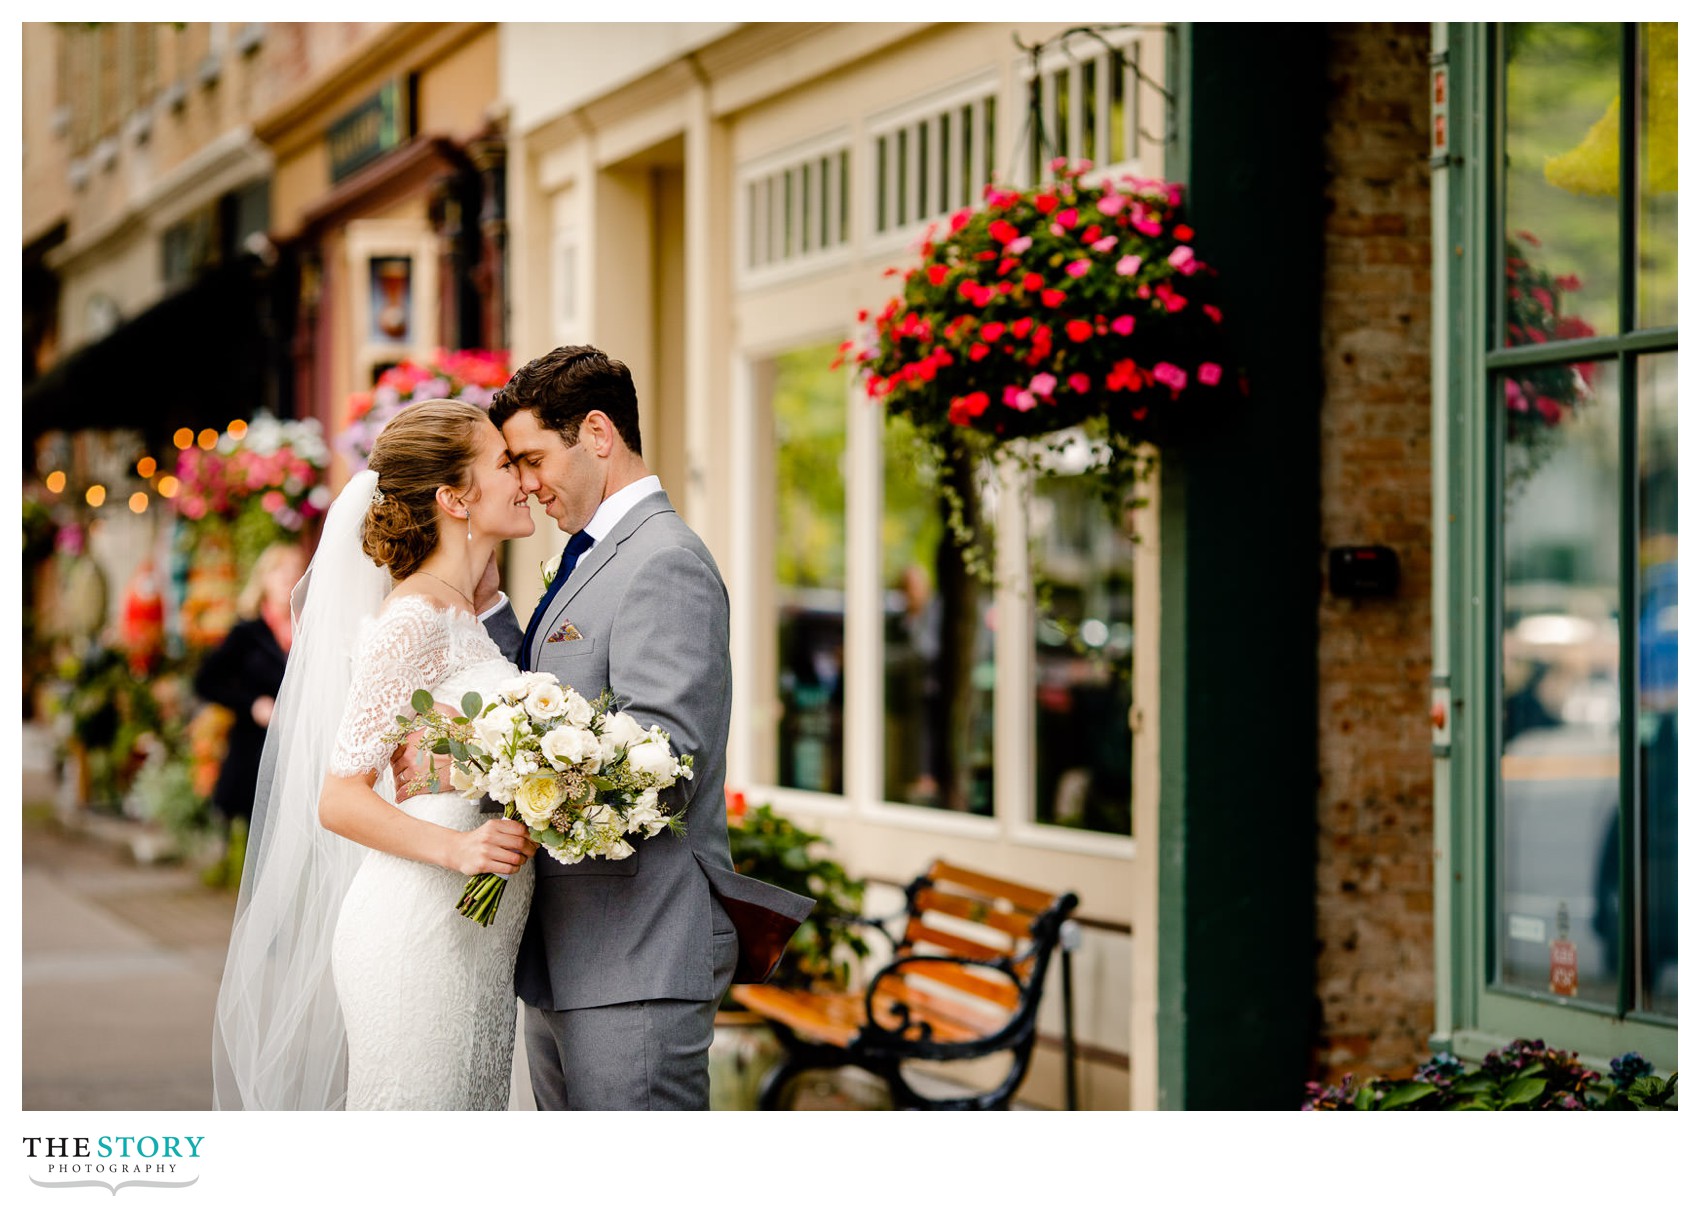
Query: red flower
(936, 274)
(1045, 203)
(1080, 382)
(1052, 298)
(977, 351)
(1214, 312)
(1021, 326)
(1091, 234)
(1183, 232)
(1033, 282)
(991, 330)
(1079, 330)
(960, 219)
(1002, 230)
(1007, 264)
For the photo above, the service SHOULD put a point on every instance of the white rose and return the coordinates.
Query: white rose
(578, 710)
(620, 849)
(537, 678)
(515, 689)
(525, 763)
(495, 727)
(645, 815)
(651, 760)
(622, 730)
(545, 702)
(572, 747)
(462, 782)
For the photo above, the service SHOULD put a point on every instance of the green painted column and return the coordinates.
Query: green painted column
(1240, 533)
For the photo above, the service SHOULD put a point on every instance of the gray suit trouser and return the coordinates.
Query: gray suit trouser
(635, 1056)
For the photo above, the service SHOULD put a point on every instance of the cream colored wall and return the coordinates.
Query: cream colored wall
(46, 158)
(456, 92)
(550, 68)
(742, 106)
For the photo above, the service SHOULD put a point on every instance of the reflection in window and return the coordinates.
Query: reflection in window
(1656, 642)
(808, 426)
(939, 667)
(1656, 175)
(1561, 216)
(1558, 806)
(1083, 747)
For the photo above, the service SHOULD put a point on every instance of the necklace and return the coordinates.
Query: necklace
(446, 585)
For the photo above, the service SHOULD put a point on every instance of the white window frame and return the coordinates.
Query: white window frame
(1148, 48)
(826, 254)
(928, 109)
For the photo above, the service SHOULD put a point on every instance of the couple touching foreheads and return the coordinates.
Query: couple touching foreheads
(352, 980)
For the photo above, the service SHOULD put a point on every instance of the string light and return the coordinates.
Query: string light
(55, 481)
(147, 467)
(167, 486)
(96, 495)
(138, 502)
(238, 429)
(208, 439)
(183, 438)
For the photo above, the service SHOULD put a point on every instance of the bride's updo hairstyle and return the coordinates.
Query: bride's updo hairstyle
(423, 447)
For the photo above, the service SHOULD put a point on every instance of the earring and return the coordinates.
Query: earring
(469, 526)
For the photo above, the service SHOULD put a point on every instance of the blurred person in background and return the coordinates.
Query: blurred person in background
(243, 674)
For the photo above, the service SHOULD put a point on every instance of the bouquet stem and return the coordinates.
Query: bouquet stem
(482, 895)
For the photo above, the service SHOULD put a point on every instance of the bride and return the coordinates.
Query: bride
(351, 979)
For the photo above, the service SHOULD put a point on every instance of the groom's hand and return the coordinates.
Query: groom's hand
(407, 768)
(488, 590)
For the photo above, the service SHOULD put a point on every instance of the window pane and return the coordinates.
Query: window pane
(1656, 625)
(1558, 801)
(938, 645)
(1656, 175)
(1561, 86)
(808, 428)
(1083, 747)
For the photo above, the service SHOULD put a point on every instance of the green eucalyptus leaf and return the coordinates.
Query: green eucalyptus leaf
(422, 701)
(471, 702)
(441, 745)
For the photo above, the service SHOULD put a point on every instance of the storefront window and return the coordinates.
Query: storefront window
(1559, 739)
(1584, 832)
(939, 671)
(809, 449)
(1083, 661)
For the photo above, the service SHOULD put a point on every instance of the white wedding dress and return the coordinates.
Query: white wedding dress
(427, 995)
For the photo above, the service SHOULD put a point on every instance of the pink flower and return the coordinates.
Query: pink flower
(1148, 227)
(1080, 382)
(1111, 204)
(1069, 217)
(1079, 330)
(1077, 269)
(1552, 412)
(1182, 259)
(1122, 326)
(1021, 401)
(1016, 247)
(1129, 265)
(1515, 400)
(1043, 385)
(1209, 374)
(1170, 375)
(1104, 245)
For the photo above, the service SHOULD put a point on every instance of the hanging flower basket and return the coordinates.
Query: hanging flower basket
(1071, 310)
(1540, 400)
(472, 375)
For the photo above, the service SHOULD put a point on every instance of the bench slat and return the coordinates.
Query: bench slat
(1032, 899)
(1016, 925)
(1004, 993)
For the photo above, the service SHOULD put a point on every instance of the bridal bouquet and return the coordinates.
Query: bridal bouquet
(583, 775)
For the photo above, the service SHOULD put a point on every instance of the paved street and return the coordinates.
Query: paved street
(120, 972)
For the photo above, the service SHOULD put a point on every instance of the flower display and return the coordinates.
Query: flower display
(264, 486)
(1066, 304)
(472, 375)
(581, 774)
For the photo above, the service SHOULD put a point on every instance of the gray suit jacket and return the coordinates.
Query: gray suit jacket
(651, 609)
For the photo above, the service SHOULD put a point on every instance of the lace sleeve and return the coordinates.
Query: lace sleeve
(405, 649)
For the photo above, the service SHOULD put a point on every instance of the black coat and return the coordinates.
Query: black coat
(248, 665)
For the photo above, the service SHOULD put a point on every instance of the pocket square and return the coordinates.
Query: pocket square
(566, 631)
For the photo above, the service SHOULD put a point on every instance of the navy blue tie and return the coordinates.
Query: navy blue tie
(576, 547)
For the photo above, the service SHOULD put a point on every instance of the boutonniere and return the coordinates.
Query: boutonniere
(549, 568)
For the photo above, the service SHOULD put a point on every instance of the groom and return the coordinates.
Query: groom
(624, 961)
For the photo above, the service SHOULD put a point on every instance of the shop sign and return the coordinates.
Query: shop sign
(1440, 145)
(367, 131)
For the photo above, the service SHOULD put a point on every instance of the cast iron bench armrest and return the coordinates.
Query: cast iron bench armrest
(876, 1037)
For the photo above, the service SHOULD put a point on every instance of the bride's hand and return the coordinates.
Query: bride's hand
(499, 847)
(406, 767)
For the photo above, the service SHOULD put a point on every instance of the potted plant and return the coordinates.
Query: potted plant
(1525, 1075)
(1539, 399)
(770, 847)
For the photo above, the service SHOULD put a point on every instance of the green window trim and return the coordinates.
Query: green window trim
(1477, 1015)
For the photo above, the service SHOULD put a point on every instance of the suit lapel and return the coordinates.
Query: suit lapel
(593, 561)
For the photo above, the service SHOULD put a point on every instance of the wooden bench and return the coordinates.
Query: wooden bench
(964, 982)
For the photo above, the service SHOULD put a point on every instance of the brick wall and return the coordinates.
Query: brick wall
(1375, 949)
